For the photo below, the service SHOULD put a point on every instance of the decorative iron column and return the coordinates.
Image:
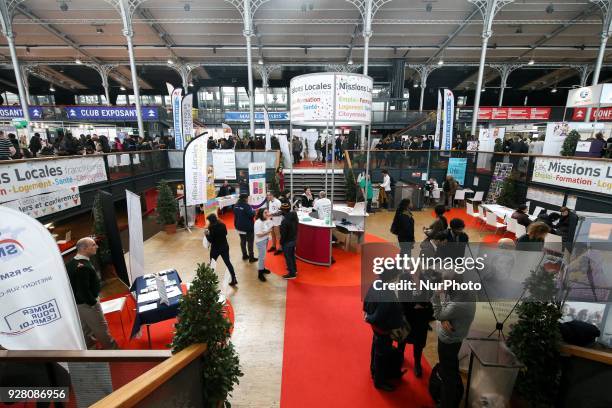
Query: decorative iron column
(504, 72)
(104, 70)
(264, 72)
(423, 71)
(7, 12)
(488, 9)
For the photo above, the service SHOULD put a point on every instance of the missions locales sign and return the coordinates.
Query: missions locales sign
(589, 175)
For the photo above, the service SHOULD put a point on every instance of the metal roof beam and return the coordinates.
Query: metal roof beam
(453, 35)
(549, 79)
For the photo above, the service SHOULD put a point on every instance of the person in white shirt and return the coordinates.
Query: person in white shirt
(263, 226)
(274, 208)
(322, 206)
(386, 185)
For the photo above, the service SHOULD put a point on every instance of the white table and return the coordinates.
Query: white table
(114, 306)
(227, 200)
(502, 211)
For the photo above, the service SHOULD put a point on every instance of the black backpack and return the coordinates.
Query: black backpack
(435, 384)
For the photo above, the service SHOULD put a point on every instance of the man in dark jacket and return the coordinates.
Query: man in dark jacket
(521, 216)
(457, 240)
(243, 221)
(288, 238)
(35, 144)
(225, 190)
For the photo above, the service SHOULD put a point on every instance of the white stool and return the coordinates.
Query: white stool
(115, 306)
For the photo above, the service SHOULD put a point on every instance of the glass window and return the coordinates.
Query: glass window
(229, 97)
(11, 98)
(167, 100)
(85, 100)
(121, 99)
(210, 98)
(243, 99)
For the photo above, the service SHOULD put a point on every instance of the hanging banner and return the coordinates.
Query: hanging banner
(34, 177)
(601, 115)
(456, 168)
(37, 308)
(136, 255)
(267, 129)
(257, 183)
(224, 164)
(438, 120)
(449, 109)
(590, 175)
(10, 112)
(259, 116)
(49, 203)
(186, 109)
(195, 171)
(177, 119)
(284, 147)
(513, 113)
(111, 113)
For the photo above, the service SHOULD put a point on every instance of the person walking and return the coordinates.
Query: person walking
(216, 234)
(274, 208)
(263, 226)
(365, 184)
(243, 222)
(288, 238)
(439, 225)
(403, 227)
(86, 289)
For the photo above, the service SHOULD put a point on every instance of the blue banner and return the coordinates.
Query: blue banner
(10, 112)
(110, 113)
(456, 168)
(259, 116)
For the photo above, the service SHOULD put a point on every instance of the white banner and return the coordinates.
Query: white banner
(284, 146)
(449, 116)
(590, 96)
(224, 164)
(438, 120)
(186, 111)
(312, 99)
(37, 308)
(136, 255)
(177, 118)
(48, 203)
(267, 129)
(195, 171)
(36, 177)
(590, 175)
(257, 183)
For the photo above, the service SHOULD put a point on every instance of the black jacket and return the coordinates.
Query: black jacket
(288, 228)
(84, 281)
(521, 218)
(217, 236)
(306, 202)
(243, 217)
(524, 243)
(403, 225)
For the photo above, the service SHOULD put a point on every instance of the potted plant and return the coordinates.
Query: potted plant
(202, 320)
(507, 194)
(570, 143)
(535, 340)
(167, 207)
(103, 259)
(351, 188)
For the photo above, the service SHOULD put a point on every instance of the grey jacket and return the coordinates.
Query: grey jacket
(460, 314)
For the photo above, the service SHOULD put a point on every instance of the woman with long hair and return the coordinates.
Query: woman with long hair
(403, 226)
(216, 234)
(263, 227)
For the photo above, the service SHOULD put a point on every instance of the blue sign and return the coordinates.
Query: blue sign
(259, 116)
(10, 112)
(456, 168)
(110, 113)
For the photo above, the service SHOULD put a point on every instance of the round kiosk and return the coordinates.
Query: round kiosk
(326, 99)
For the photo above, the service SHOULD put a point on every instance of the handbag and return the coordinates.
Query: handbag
(205, 242)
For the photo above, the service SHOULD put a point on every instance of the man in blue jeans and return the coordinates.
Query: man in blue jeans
(288, 238)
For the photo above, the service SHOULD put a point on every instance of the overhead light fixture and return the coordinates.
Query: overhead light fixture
(122, 88)
(531, 62)
(260, 62)
(554, 90)
(440, 61)
(429, 7)
(550, 9)
(415, 85)
(191, 84)
(170, 62)
(350, 61)
(78, 61)
(483, 89)
(51, 89)
(63, 6)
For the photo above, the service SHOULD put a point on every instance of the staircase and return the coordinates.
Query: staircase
(315, 179)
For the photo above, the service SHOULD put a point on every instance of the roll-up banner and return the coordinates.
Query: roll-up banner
(177, 122)
(438, 120)
(267, 129)
(187, 115)
(449, 109)
(257, 183)
(195, 171)
(284, 146)
(136, 239)
(37, 308)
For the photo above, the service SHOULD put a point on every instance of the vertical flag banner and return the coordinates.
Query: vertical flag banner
(186, 109)
(449, 109)
(438, 120)
(170, 89)
(286, 154)
(257, 183)
(177, 118)
(37, 307)
(267, 129)
(136, 256)
(195, 171)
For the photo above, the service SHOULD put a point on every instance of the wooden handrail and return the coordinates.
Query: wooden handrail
(31, 356)
(601, 356)
(141, 387)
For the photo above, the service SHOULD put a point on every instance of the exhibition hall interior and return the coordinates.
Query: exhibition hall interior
(306, 203)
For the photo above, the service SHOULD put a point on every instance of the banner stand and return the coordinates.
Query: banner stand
(185, 188)
(113, 236)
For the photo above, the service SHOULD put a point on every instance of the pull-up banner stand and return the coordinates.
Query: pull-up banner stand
(136, 239)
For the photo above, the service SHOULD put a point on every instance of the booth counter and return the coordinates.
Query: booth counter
(314, 241)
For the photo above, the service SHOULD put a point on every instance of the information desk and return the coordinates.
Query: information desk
(314, 240)
(351, 221)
